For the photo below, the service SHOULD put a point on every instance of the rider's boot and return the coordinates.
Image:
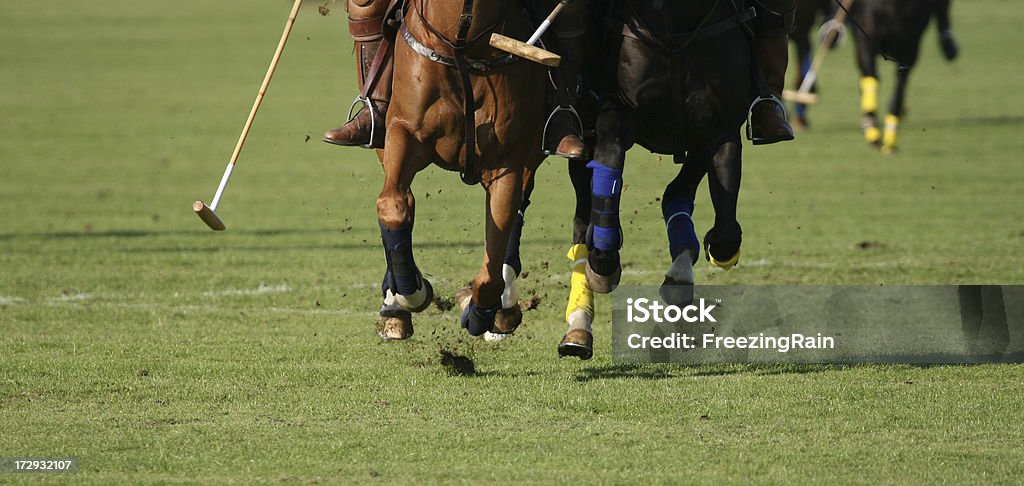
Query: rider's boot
(366, 128)
(768, 123)
(565, 126)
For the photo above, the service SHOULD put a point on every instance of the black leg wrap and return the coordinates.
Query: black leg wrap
(405, 276)
(512, 250)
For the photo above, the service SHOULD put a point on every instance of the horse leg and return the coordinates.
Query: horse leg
(511, 314)
(868, 88)
(896, 109)
(604, 234)
(803, 55)
(950, 48)
(683, 245)
(722, 242)
(404, 289)
(504, 198)
(579, 310)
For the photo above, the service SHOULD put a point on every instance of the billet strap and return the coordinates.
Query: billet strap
(468, 175)
(376, 67)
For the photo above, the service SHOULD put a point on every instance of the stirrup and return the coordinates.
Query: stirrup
(558, 109)
(750, 112)
(368, 104)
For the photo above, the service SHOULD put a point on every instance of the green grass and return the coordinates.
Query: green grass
(154, 350)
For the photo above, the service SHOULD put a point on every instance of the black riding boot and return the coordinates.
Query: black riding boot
(768, 122)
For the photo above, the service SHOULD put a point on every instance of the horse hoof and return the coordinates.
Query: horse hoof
(507, 320)
(394, 325)
(731, 248)
(675, 292)
(603, 284)
(677, 289)
(477, 320)
(577, 342)
(419, 300)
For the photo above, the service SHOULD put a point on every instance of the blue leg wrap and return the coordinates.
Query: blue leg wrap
(679, 224)
(606, 187)
(401, 266)
(478, 321)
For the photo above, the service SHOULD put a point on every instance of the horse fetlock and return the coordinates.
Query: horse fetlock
(509, 296)
(678, 223)
(892, 124)
(603, 271)
(419, 300)
(869, 125)
(677, 288)
(478, 320)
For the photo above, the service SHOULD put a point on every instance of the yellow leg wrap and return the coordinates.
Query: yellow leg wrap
(868, 94)
(892, 124)
(727, 264)
(872, 134)
(580, 296)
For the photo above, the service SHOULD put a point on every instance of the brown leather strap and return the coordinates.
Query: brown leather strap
(468, 175)
(365, 30)
(377, 67)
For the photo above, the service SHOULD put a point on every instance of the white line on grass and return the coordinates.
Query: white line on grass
(5, 300)
(261, 289)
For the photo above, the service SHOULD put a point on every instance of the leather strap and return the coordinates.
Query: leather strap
(366, 30)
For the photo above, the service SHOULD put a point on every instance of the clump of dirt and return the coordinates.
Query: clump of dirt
(532, 303)
(443, 304)
(457, 365)
(870, 245)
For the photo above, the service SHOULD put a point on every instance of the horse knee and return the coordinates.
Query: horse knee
(393, 210)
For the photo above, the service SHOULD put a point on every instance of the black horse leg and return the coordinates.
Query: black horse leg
(868, 86)
(683, 245)
(604, 235)
(896, 108)
(722, 242)
(677, 207)
(580, 176)
(947, 42)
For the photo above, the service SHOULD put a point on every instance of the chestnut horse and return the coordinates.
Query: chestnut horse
(466, 107)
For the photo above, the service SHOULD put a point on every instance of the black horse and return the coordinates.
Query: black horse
(809, 13)
(895, 28)
(674, 77)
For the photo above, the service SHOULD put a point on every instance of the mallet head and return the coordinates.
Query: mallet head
(208, 216)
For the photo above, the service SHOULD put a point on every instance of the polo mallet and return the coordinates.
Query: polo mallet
(527, 50)
(208, 213)
(804, 95)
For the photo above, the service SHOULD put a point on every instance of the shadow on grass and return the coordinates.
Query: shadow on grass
(660, 371)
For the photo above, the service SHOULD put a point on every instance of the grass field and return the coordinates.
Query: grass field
(154, 350)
